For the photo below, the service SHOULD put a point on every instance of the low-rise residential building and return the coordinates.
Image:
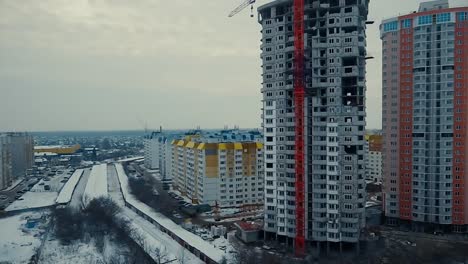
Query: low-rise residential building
(373, 157)
(224, 169)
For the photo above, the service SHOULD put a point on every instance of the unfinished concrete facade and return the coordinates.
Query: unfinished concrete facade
(335, 54)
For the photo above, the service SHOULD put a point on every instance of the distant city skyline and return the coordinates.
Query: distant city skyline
(119, 65)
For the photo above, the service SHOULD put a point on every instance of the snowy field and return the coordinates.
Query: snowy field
(156, 243)
(17, 243)
(33, 200)
(76, 253)
(192, 239)
(67, 190)
(97, 184)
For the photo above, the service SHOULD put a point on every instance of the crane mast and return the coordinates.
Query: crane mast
(299, 97)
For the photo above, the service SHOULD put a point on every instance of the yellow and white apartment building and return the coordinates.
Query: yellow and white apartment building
(225, 173)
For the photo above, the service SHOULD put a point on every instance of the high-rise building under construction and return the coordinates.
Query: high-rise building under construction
(328, 206)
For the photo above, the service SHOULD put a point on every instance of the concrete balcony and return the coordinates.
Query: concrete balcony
(350, 220)
(319, 229)
(350, 52)
(354, 23)
(319, 210)
(353, 239)
(350, 71)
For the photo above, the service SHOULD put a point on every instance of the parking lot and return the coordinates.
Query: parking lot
(53, 181)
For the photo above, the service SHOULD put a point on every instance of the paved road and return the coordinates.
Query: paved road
(10, 194)
(114, 186)
(79, 190)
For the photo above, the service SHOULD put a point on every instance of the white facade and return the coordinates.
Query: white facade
(166, 159)
(152, 151)
(374, 166)
(227, 174)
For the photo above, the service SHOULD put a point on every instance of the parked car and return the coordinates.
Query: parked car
(3, 197)
(178, 216)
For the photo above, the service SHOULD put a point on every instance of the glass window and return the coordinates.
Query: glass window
(424, 20)
(391, 26)
(462, 16)
(406, 23)
(443, 18)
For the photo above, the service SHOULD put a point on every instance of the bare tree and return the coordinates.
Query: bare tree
(182, 256)
(160, 255)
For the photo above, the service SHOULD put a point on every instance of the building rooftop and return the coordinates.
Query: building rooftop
(433, 5)
(429, 7)
(249, 226)
(210, 136)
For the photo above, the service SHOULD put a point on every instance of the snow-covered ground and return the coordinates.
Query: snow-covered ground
(76, 253)
(13, 185)
(33, 200)
(192, 239)
(55, 182)
(18, 243)
(156, 242)
(150, 238)
(97, 184)
(66, 193)
(132, 159)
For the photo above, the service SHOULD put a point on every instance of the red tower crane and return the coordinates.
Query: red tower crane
(299, 97)
(242, 6)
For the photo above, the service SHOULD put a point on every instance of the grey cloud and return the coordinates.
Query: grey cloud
(105, 64)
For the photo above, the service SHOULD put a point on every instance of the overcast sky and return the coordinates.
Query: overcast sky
(120, 64)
